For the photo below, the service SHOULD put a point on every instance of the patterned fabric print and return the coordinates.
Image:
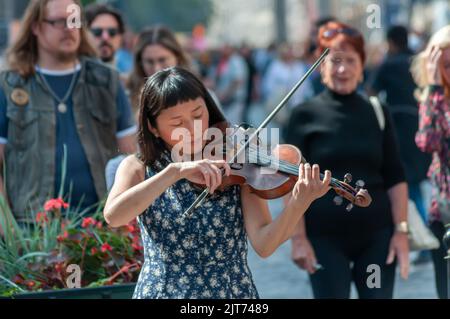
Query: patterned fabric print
(434, 137)
(196, 257)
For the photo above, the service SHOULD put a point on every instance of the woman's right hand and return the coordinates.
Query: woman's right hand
(205, 172)
(432, 66)
(303, 254)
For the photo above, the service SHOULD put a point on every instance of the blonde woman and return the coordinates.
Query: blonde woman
(431, 70)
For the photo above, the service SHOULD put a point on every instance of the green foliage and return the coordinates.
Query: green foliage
(35, 256)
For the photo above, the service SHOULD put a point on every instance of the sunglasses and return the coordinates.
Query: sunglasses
(328, 34)
(97, 32)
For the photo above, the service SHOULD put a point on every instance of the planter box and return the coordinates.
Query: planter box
(107, 292)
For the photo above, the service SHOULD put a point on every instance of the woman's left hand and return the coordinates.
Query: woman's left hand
(309, 186)
(399, 248)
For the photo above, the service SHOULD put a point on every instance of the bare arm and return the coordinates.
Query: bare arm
(264, 234)
(399, 247)
(131, 194)
(267, 235)
(299, 231)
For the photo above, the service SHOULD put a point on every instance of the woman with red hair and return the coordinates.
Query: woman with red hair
(342, 131)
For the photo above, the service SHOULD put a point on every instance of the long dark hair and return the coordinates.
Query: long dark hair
(155, 35)
(163, 90)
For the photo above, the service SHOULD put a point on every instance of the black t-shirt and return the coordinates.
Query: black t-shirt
(341, 133)
(394, 78)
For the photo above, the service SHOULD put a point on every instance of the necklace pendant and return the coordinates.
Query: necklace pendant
(62, 108)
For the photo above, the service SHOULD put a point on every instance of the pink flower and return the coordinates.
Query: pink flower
(55, 204)
(106, 247)
(88, 221)
(42, 217)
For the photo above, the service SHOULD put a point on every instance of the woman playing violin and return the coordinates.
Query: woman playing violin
(203, 255)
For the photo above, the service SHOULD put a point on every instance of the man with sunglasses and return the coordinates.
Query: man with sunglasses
(107, 27)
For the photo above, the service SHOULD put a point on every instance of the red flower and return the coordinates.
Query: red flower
(59, 267)
(61, 238)
(42, 217)
(99, 225)
(55, 204)
(18, 279)
(131, 228)
(93, 251)
(136, 247)
(106, 247)
(88, 221)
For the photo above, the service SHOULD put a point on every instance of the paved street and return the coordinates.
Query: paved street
(278, 277)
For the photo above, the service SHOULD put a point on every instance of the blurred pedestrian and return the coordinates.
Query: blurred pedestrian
(156, 49)
(394, 80)
(431, 71)
(280, 78)
(124, 56)
(252, 80)
(107, 27)
(339, 130)
(56, 96)
(231, 76)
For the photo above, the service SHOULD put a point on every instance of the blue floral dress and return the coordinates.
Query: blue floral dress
(192, 257)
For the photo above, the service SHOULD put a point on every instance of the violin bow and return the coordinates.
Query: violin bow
(201, 198)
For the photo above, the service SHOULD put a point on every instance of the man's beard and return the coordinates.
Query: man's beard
(109, 58)
(67, 57)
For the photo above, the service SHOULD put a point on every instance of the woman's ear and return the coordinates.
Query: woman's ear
(152, 129)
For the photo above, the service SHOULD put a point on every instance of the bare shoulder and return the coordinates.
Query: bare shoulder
(132, 168)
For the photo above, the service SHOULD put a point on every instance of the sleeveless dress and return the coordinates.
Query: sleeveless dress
(200, 256)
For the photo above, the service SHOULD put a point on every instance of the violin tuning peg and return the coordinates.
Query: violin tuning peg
(348, 178)
(349, 207)
(338, 200)
(360, 184)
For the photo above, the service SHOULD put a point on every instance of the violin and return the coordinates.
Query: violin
(271, 174)
(284, 161)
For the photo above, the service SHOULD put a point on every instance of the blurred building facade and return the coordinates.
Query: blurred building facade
(261, 22)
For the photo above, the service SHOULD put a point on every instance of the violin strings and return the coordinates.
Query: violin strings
(289, 168)
(286, 167)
